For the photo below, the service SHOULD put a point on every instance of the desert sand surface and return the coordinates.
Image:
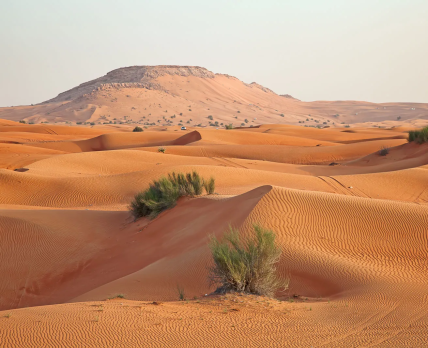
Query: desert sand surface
(352, 226)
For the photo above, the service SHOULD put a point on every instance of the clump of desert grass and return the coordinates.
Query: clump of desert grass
(138, 129)
(418, 136)
(181, 294)
(384, 151)
(164, 193)
(117, 296)
(209, 186)
(246, 264)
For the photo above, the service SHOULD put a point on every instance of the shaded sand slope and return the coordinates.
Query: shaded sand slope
(333, 245)
(113, 141)
(234, 137)
(89, 248)
(364, 259)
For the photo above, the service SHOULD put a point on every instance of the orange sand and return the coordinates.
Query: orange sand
(354, 236)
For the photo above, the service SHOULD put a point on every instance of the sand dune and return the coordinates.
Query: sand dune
(113, 141)
(285, 154)
(353, 235)
(363, 266)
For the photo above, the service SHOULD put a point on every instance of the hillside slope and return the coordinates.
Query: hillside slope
(187, 95)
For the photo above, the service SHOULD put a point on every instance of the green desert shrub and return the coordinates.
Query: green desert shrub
(161, 149)
(137, 129)
(181, 294)
(384, 151)
(246, 264)
(209, 186)
(163, 194)
(190, 184)
(418, 136)
(229, 126)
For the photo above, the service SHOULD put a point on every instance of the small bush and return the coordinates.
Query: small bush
(117, 296)
(161, 149)
(137, 129)
(22, 121)
(210, 117)
(161, 195)
(418, 136)
(181, 295)
(247, 265)
(164, 193)
(209, 186)
(384, 151)
(190, 184)
(229, 126)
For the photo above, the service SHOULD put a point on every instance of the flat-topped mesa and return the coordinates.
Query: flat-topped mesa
(140, 76)
(141, 73)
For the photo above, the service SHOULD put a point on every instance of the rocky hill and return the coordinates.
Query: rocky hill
(168, 95)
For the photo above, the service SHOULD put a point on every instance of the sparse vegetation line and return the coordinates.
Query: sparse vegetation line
(418, 136)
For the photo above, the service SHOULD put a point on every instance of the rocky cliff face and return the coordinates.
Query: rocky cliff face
(135, 76)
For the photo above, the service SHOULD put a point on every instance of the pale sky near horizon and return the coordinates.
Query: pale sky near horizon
(373, 50)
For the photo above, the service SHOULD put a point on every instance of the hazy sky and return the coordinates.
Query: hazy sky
(374, 50)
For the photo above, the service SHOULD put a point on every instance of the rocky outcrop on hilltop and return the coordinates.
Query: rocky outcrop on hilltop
(146, 85)
(133, 77)
(288, 96)
(264, 89)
